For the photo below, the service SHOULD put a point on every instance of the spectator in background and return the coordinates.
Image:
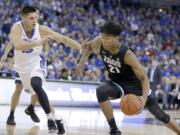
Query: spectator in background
(175, 89)
(154, 74)
(166, 86)
(64, 74)
(164, 92)
(147, 31)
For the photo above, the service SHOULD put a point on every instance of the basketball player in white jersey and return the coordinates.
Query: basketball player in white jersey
(8, 55)
(28, 37)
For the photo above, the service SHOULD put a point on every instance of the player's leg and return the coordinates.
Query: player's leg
(30, 109)
(154, 108)
(29, 80)
(15, 101)
(36, 84)
(37, 76)
(105, 92)
(58, 121)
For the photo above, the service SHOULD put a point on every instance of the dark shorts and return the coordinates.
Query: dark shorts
(131, 87)
(117, 90)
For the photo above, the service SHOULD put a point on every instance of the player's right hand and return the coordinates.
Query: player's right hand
(46, 39)
(143, 102)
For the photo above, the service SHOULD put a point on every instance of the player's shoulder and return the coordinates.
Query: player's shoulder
(98, 38)
(44, 27)
(130, 58)
(129, 52)
(97, 41)
(16, 25)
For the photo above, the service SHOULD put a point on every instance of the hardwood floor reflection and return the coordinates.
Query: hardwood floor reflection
(84, 121)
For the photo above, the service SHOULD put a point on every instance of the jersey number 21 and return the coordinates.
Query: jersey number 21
(113, 69)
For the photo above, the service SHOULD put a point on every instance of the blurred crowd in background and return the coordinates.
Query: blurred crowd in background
(154, 35)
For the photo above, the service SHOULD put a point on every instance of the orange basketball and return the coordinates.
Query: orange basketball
(130, 104)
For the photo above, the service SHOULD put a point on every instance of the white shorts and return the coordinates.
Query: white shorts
(26, 78)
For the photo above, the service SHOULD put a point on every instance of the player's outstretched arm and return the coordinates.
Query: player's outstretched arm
(87, 48)
(44, 30)
(140, 72)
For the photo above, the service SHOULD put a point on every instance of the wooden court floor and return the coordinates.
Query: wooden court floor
(84, 121)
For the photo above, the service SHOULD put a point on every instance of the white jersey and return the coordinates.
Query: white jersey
(26, 60)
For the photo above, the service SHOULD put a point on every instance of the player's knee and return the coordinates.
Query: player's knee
(19, 88)
(36, 83)
(157, 112)
(101, 94)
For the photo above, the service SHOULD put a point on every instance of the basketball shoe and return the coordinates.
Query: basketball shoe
(115, 132)
(30, 111)
(10, 120)
(60, 127)
(51, 126)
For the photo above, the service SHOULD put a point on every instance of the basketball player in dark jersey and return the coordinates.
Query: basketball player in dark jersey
(127, 76)
(9, 54)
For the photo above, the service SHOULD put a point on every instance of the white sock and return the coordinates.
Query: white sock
(56, 116)
(49, 116)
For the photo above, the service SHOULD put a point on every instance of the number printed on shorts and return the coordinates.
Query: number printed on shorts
(113, 69)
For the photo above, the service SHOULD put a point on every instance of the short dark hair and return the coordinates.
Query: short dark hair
(63, 70)
(112, 28)
(28, 9)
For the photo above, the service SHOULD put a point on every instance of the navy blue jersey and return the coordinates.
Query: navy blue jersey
(118, 71)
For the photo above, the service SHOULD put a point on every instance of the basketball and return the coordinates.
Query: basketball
(130, 104)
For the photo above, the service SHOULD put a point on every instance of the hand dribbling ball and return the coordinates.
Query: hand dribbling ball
(130, 104)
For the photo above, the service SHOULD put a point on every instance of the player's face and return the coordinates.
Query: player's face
(109, 41)
(31, 19)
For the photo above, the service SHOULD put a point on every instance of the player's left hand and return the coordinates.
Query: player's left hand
(143, 102)
(85, 44)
